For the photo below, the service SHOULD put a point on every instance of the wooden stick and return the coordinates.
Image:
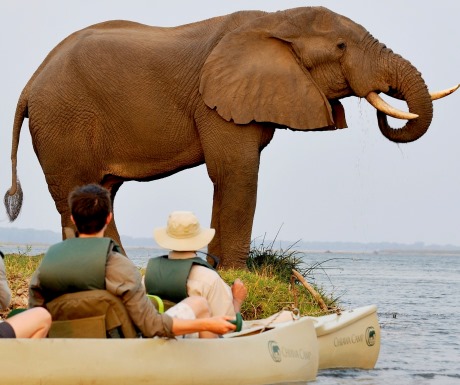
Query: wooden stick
(310, 288)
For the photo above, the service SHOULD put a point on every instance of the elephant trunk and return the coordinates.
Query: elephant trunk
(407, 84)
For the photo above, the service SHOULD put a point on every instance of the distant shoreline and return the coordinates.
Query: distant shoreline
(8, 247)
(14, 237)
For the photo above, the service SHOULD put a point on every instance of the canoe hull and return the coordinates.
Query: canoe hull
(349, 340)
(288, 354)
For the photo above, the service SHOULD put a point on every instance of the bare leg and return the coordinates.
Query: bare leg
(201, 309)
(240, 293)
(32, 323)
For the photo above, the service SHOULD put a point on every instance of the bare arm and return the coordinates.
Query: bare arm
(124, 280)
(217, 325)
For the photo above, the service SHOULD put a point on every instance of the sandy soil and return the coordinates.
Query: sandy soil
(19, 297)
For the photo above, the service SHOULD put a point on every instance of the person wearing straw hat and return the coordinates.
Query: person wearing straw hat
(182, 273)
(92, 261)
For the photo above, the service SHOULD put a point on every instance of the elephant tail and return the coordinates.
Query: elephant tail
(13, 197)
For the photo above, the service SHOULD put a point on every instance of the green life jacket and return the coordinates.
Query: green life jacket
(76, 264)
(167, 278)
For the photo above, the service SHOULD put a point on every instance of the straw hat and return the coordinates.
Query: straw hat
(183, 233)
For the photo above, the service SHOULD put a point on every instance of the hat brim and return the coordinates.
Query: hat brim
(197, 242)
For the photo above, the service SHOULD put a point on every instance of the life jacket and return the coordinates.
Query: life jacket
(167, 278)
(76, 264)
(90, 314)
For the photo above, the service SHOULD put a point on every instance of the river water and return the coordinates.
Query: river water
(418, 300)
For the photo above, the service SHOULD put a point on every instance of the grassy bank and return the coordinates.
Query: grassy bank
(269, 280)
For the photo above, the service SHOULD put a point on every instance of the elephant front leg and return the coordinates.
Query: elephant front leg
(232, 156)
(235, 195)
(232, 162)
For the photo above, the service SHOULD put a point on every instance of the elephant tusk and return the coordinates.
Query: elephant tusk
(443, 93)
(381, 105)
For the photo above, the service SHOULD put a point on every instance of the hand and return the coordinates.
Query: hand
(220, 325)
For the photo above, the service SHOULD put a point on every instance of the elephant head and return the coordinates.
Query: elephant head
(292, 67)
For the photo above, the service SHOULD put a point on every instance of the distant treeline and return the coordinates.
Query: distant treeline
(47, 237)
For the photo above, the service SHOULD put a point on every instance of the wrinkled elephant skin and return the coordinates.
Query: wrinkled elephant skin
(121, 101)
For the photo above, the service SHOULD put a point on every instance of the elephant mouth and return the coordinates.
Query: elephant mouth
(381, 105)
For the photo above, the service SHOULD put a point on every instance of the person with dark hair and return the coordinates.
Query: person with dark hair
(92, 261)
(33, 323)
(90, 205)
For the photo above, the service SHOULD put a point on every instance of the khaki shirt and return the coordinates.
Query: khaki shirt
(208, 283)
(122, 279)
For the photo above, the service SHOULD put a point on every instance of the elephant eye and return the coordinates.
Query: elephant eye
(342, 46)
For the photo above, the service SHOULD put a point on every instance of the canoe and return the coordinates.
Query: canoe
(287, 353)
(347, 339)
(350, 339)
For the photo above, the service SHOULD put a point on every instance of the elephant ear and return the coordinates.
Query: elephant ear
(252, 76)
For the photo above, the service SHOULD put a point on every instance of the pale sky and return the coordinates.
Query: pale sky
(349, 185)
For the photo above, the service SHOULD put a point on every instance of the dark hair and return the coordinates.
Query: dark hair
(90, 205)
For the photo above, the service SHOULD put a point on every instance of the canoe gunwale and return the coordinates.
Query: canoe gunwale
(344, 319)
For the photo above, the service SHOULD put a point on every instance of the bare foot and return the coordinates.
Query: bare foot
(240, 293)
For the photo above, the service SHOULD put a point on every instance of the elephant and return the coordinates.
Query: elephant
(121, 101)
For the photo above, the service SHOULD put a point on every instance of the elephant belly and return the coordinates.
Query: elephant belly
(90, 149)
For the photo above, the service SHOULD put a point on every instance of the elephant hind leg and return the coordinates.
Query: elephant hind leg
(60, 187)
(113, 183)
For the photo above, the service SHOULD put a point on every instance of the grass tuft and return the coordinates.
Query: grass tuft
(278, 262)
(19, 269)
(271, 286)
